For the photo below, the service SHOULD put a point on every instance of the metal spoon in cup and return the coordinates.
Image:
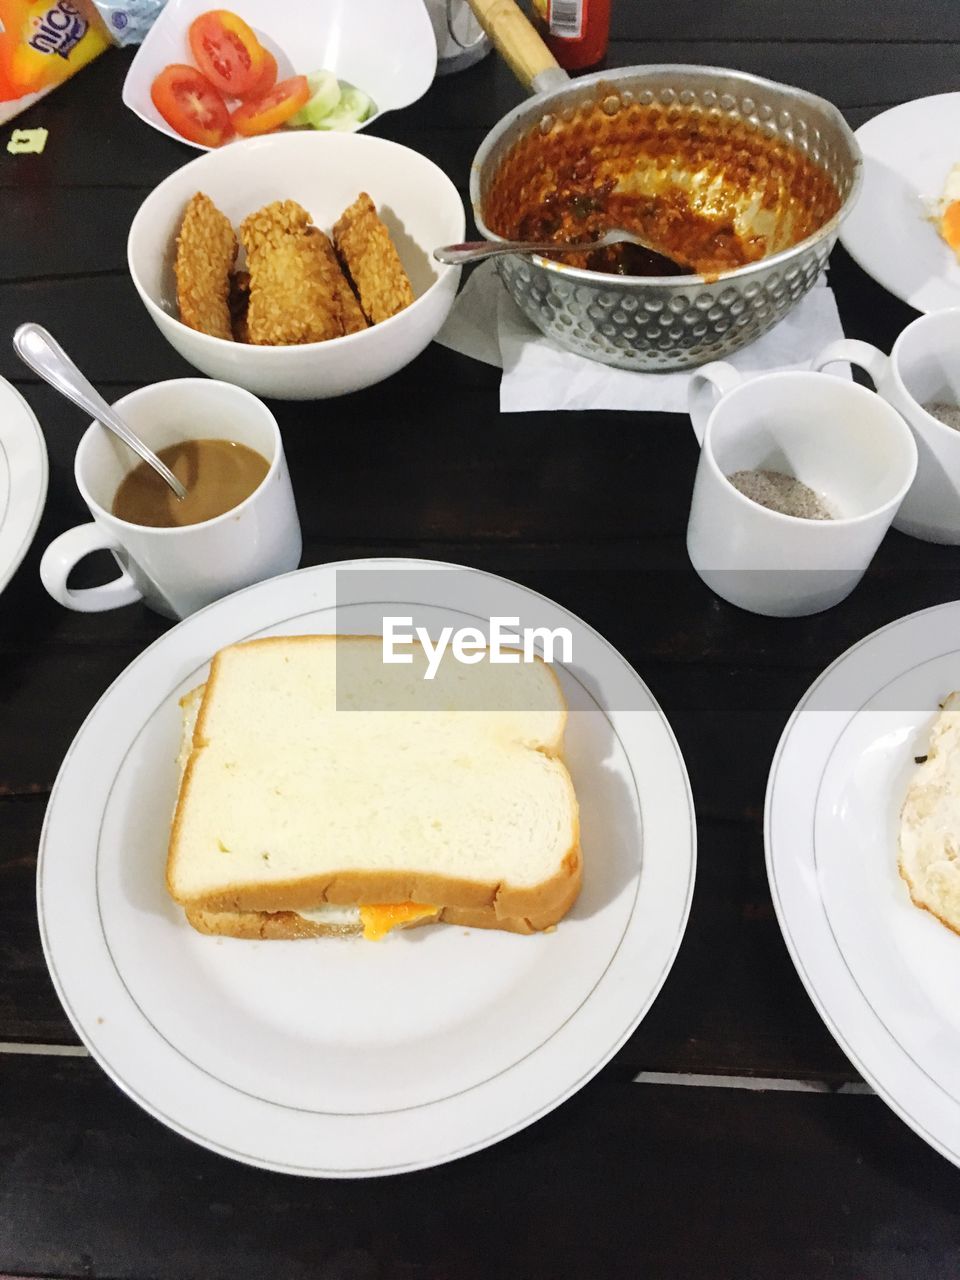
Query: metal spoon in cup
(455, 255)
(37, 349)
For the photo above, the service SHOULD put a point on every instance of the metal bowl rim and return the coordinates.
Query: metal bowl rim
(596, 279)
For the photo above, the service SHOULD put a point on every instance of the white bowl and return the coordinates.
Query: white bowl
(385, 47)
(324, 172)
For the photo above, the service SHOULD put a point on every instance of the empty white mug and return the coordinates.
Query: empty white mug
(178, 570)
(846, 444)
(922, 368)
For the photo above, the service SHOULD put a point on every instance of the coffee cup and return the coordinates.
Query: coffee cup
(922, 368)
(180, 569)
(846, 444)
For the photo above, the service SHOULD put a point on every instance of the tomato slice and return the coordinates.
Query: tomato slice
(274, 109)
(267, 79)
(191, 105)
(227, 52)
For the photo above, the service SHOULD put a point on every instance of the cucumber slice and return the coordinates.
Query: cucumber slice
(354, 107)
(324, 98)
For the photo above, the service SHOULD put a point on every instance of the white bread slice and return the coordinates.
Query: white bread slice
(434, 801)
(930, 822)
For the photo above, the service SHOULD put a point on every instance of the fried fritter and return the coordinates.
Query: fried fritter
(369, 255)
(206, 252)
(293, 296)
(351, 313)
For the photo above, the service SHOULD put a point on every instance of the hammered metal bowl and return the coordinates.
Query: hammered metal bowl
(676, 322)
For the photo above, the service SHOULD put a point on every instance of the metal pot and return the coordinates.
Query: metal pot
(674, 322)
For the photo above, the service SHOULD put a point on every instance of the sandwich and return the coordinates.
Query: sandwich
(930, 821)
(324, 792)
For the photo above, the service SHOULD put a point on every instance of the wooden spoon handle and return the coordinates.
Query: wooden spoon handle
(517, 40)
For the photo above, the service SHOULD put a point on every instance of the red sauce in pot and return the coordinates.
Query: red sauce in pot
(709, 190)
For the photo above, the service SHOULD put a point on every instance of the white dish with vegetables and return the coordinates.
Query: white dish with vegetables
(361, 59)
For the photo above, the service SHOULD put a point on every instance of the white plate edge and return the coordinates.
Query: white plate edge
(794, 947)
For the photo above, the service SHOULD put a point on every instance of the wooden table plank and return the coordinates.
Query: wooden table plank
(732, 1005)
(850, 73)
(821, 20)
(119, 149)
(47, 243)
(29, 1008)
(110, 304)
(622, 1179)
(555, 477)
(704, 674)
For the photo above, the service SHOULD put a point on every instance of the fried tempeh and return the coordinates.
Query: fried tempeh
(206, 252)
(351, 313)
(293, 298)
(374, 266)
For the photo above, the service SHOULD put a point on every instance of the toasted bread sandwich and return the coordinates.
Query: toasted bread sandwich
(324, 792)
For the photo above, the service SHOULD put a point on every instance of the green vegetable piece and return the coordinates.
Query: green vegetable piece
(324, 98)
(354, 107)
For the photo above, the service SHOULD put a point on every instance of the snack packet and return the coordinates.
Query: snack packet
(128, 21)
(43, 43)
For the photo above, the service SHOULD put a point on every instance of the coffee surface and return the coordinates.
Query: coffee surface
(217, 474)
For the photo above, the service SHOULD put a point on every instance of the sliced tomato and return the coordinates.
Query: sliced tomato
(191, 105)
(268, 78)
(262, 115)
(227, 52)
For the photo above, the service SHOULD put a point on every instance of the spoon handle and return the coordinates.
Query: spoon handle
(457, 255)
(44, 355)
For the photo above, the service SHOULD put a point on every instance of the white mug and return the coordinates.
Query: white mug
(178, 570)
(923, 367)
(842, 441)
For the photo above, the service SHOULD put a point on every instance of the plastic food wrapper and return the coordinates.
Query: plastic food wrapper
(128, 21)
(43, 43)
(27, 142)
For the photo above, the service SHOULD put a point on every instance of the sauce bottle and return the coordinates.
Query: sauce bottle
(576, 31)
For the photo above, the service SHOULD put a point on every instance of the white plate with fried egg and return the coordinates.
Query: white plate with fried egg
(883, 973)
(909, 154)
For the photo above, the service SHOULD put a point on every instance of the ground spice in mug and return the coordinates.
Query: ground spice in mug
(948, 414)
(779, 492)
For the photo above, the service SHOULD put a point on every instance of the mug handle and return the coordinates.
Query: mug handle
(65, 552)
(453, 35)
(853, 351)
(706, 387)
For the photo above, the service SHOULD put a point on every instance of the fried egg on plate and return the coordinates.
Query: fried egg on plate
(930, 821)
(944, 210)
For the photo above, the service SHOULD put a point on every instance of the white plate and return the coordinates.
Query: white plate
(345, 1058)
(23, 479)
(884, 975)
(384, 47)
(907, 154)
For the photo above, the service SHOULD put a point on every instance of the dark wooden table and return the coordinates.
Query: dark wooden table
(742, 1150)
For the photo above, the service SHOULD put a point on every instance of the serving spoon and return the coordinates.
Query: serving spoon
(44, 355)
(458, 255)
